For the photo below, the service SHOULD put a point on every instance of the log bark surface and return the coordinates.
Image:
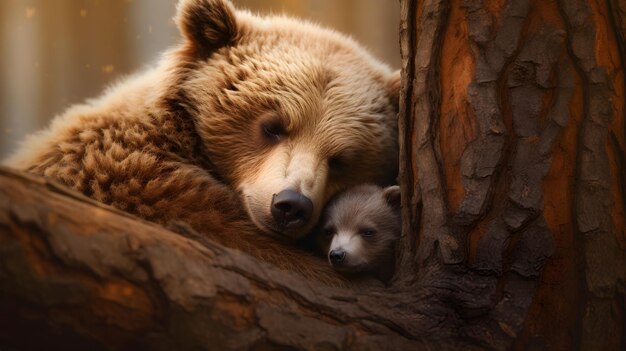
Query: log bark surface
(79, 274)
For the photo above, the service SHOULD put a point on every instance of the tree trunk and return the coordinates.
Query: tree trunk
(513, 136)
(512, 142)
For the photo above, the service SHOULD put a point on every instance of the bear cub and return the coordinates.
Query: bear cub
(360, 229)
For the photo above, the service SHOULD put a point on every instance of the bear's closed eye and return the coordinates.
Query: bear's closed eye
(273, 131)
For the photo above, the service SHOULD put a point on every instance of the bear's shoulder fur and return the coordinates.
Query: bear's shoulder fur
(151, 144)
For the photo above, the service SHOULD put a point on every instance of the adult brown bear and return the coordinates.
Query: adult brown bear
(250, 123)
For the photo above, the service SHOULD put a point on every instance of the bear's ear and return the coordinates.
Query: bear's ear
(207, 24)
(392, 196)
(393, 85)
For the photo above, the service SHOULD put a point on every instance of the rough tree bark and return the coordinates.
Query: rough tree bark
(513, 133)
(512, 141)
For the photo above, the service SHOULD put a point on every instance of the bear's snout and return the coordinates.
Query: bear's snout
(291, 209)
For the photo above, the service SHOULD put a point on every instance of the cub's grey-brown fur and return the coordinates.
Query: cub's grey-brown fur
(360, 229)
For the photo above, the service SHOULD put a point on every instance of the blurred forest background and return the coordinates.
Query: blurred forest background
(54, 53)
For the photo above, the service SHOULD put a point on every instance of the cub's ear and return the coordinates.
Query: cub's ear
(392, 196)
(207, 24)
(393, 84)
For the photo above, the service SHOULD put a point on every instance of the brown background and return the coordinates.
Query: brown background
(57, 53)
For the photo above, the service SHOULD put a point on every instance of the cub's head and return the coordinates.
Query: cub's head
(289, 113)
(360, 229)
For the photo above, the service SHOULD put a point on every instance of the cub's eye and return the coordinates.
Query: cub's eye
(329, 231)
(273, 131)
(336, 163)
(367, 232)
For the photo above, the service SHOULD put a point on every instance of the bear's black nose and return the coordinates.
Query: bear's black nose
(291, 209)
(337, 256)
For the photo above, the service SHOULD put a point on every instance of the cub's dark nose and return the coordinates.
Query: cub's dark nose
(291, 209)
(337, 256)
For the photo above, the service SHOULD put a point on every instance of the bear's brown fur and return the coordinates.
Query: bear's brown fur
(244, 107)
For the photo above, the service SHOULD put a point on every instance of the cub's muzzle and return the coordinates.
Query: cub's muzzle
(291, 209)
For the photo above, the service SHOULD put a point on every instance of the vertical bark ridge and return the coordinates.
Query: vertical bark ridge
(492, 46)
(457, 123)
(494, 29)
(433, 16)
(617, 11)
(529, 80)
(617, 25)
(408, 185)
(550, 306)
(539, 87)
(418, 150)
(603, 259)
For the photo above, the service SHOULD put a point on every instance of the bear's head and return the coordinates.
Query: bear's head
(288, 112)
